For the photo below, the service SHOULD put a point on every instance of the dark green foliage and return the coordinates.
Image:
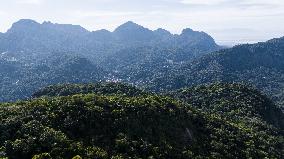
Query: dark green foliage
(233, 102)
(42, 156)
(98, 88)
(68, 126)
(135, 126)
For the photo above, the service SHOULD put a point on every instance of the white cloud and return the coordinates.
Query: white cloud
(2, 13)
(34, 2)
(235, 3)
(261, 2)
(202, 2)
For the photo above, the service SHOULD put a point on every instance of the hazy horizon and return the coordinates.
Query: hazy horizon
(227, 21)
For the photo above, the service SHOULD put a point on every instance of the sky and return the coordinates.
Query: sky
(229, 22)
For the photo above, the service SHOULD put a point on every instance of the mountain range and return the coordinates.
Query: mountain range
(29, 36)
(35, 55)
(66, 92)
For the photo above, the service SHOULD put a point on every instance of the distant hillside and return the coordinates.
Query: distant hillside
(37, 55)
(147, 126)
(139, 65)
(260, 65)
(19, 80)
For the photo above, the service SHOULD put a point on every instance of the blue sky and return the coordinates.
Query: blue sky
(228, 21)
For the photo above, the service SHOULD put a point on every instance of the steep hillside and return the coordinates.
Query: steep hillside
(19, 81)
(148, 126)
(260, 65)
(234, 102)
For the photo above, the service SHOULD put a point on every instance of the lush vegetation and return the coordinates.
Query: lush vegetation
(233, 102)
(142, 126)
(98, 88)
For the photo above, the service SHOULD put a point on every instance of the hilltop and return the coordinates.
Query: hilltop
(120, 126)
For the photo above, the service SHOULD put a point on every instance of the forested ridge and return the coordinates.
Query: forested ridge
(102, 88)
(99, 123)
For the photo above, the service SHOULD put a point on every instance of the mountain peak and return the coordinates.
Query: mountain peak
(26, 21)
(130, 22)
(187, 31)
(101, 31)
(163, 32)
(130, 25)
(197, 35)
(23, 24)
(131, 32)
